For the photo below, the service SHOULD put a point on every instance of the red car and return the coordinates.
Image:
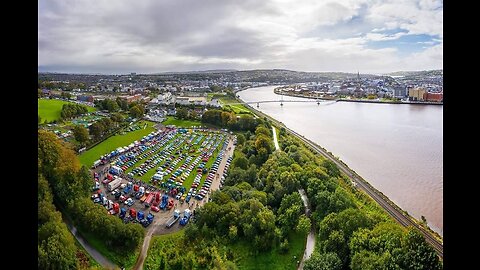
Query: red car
(155, 208)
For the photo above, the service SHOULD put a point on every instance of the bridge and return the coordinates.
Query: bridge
(281, 101)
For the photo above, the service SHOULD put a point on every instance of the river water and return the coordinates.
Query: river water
(396, 148)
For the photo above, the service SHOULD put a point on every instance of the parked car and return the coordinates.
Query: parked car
(155, 208)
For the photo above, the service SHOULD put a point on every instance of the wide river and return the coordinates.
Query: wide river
(396, 148)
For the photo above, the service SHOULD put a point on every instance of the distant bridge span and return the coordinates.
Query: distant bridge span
(282, 101)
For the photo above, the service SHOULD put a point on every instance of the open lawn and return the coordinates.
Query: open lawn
(159, 242)
(87, 158)
(245, 259)
(49, 109)
(181, 123)
(122, 260)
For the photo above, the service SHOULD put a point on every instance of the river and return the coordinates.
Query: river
(398, 148)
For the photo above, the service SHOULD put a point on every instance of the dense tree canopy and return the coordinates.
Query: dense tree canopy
(70, 110)
(81, 134)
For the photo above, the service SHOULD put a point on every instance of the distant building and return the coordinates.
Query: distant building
(433, 97)
(416, 94)
(85, 98)
(399, 91)
(133, 98)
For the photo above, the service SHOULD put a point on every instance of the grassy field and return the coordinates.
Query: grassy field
(49, 109)
(180, 123)
(152, 260)
(226, 100)
(87, 158)
(119, 259)
(242, 251)
(273, 259)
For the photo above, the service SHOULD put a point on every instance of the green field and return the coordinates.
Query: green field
(272, 259)
(243, 255)
(49, 109)
(87, 158)
(181, 123)
(121, 260)
(227, 100)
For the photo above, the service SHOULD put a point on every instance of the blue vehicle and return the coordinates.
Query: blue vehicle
(123, 212)
(185, 218)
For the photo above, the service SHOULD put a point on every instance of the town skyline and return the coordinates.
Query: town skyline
(156, 37)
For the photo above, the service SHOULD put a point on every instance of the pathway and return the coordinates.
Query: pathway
(310, 246)
(104, 262)
(275, 141)
(311, 235)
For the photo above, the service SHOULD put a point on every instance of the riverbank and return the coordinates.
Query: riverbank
(389, 206)
(299, 95)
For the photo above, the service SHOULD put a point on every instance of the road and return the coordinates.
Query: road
(310, 245)
(393, 210)
(99, 258)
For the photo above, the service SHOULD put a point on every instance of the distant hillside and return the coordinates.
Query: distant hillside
(438, 72)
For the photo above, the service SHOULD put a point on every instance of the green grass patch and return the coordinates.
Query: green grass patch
(50, 109)
(245, 259)
(181, 123)
(91, 262)
(122, 260)
(87, 158)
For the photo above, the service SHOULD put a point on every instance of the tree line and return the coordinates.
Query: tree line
(71, 110)
(59, 168)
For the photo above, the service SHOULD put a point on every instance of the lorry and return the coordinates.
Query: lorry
(170, 204)
(156, 200)
(133, 213)
(114, 184)
(150, 197)
(164, 202)
(173, 219)
(115, 170)
(123, 212)
(114, 209)
(185, 218)
(127, 189)
(140, 216)
(148, 220)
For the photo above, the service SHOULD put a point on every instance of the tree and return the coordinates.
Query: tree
(117, 117)
(182, 113)
(39, 119)
(417, 254)
(81, 134)
(324, 261)
(136, 112)
(240, 162)
(56, 247)
(263, 130)
(97, 129)
(240, 139)
(303, 225)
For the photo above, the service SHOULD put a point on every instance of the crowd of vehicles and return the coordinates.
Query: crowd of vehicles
(176, 155)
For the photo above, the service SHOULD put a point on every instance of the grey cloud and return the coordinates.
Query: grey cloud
(179, 35)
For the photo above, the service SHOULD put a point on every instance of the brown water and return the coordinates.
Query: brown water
(396, 148)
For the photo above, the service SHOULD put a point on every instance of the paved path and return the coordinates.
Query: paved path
(310, 246)
(99, 258)
(311, 235)
(275, 141)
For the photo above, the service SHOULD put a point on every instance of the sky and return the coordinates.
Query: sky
(153, 36)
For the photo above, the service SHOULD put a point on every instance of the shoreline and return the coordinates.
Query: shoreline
(309, 143)
(359, 100)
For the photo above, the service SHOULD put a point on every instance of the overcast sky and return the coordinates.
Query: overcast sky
(150, 36)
